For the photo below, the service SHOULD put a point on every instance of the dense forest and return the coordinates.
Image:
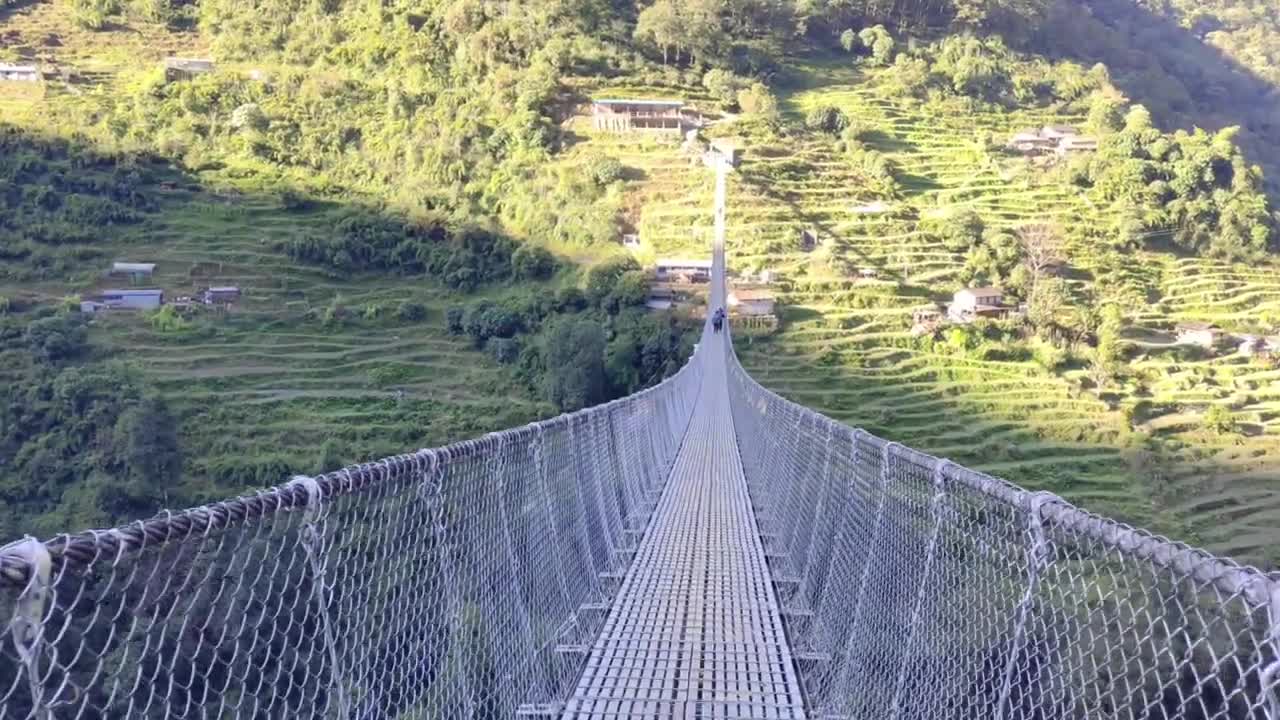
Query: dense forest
(427, 133)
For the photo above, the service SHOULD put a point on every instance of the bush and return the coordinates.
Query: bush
(92, 14)
(486, 320)
(531, 262)
(570, 299)
(455, 319)
(604, 170)
(1218, 419)
(826, 118)
(167, 320)
(410, 311)
(722, 85)
(603, 278)
(757, 101)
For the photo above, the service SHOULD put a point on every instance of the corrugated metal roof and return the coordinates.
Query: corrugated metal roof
(133, 267)
(619, 101)
(134, 293)
(684, 263)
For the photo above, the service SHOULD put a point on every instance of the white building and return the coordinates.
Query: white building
(971, 303)
(1204, 334)
(683, 270)
(129, 299)
(186, 68)
(19, 73)
(134, 270)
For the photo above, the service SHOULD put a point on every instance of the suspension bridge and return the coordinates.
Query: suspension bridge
(702, 549)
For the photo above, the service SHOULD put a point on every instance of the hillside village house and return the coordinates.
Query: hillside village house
(971, 303)
(221, 295)
(150, 299)
(751, 302)
(1061, 140)
(1078, 144)
(631, 240)
(621, 115)
(19, 73)
(683, 270)
(186, 68)
(1204, 334)
(135, 271)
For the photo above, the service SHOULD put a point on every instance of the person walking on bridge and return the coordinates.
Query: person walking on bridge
(717, 319)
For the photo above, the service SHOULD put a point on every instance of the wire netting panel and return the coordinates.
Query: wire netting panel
(915, 588)
(431, 585)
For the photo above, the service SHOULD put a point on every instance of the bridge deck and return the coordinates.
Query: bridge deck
(695, 631)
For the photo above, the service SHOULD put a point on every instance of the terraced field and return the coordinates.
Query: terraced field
(268, 382)
(1140, 451)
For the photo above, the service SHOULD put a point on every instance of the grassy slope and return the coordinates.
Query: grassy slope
(1009, 418)
(266, 385)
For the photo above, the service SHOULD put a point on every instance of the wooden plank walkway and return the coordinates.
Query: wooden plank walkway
(695, 631)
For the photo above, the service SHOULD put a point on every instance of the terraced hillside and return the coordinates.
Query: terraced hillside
(1141, 451)
(304, 361)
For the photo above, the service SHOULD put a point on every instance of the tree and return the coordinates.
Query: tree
(660, 24)
(56, 339)
(603, 279)
(604, 169)
(249, 117)
(92, 14)
(879, 43)
(1045, 300)
(157, 11)
(1041, 249)
(757, 101)
(722, 85)
(455, 319)
(1106, 112)
(532, 262)
(147, 442)
(849, 40)
(1219, 419)
(1109, 336)
(573, 355)
(826, 118)
(411, 311)
(961, 230)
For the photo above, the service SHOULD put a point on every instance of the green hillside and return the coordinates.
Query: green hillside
(1140, 446)
(425, 229)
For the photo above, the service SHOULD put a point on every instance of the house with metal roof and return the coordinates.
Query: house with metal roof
(628, 115)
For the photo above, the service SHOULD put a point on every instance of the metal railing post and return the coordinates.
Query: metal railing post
(313, 545)
(1036, 563)
(886, 455)
(1270, 680)
(27, 624)
(939, 497)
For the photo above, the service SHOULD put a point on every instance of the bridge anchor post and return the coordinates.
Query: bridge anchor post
(27, 625)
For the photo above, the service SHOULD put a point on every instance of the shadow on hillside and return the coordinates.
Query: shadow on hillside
(1171, 70)
(918, 183)
(762, 185)
(882, 141)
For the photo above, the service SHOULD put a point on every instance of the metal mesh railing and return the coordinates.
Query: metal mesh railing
(920, 589)
(430, 585)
